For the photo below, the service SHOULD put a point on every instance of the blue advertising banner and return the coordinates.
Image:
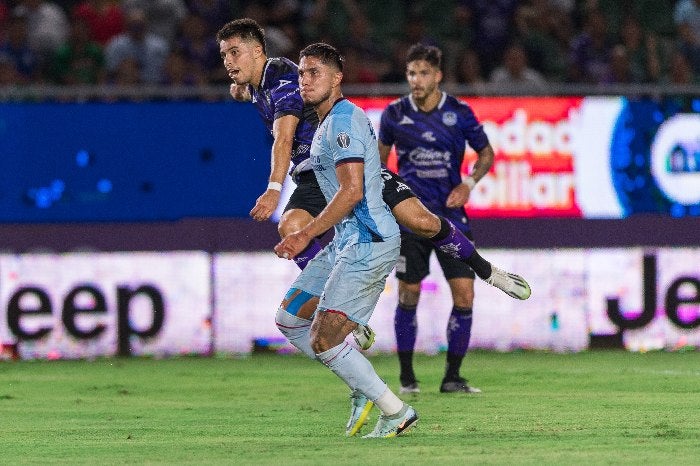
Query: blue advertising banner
(130, 162)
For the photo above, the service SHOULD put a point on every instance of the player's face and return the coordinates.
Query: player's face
(239, 58)
(316, 80)
(423, 78)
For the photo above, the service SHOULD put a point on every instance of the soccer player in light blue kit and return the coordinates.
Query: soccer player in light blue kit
(349, 274)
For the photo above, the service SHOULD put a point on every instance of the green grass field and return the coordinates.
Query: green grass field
(537, 408)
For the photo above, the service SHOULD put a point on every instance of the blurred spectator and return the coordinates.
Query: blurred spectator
(680, 71)
(468, 69)
(15, 49)
(179, 71)
(164, 16)
(149, 50)
(493, 23)
(687, 18)
(514, 70)
(620, 71)
(641, 51)
(200, 48)
(104, 17)
(47, 26)
(538, 30)
(80, 60)
(4, 16)
(215, 13)
(397, 64)
(590, 51)
(278, 44)
(9, 76)
(357, 70)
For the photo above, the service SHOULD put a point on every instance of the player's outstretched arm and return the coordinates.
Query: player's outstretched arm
(283, 130)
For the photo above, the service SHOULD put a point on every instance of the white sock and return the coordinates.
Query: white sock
(389, 403)
(355, 370)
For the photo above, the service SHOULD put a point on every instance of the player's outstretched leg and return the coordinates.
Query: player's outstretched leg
(453, 242)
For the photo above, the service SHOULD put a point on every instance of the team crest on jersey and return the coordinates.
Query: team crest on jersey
(449, 118)
(343, 140)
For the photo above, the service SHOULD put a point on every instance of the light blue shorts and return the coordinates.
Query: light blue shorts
(350, 280)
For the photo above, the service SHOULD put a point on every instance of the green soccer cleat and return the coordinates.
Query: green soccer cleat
(398, 424)
(364, 336)
(360, 406)
(511, 284)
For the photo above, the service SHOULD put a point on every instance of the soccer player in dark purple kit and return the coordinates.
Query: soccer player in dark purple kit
(429, 128)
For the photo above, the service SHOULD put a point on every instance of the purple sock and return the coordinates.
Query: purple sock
(405, 327)
(459, 330)
(307, 254)
(452, 241)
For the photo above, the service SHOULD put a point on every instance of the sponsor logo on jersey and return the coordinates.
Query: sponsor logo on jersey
(449, 118)
(406, 121)
(428, 136)
(343, 140)
(424, 157)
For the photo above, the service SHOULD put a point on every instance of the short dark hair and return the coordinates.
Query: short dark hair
(324, 52)
(245, 28)
(429, 53)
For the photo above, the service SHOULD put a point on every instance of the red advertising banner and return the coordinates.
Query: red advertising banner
(533, 171)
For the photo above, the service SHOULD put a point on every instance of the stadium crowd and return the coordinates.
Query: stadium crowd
(527, 42)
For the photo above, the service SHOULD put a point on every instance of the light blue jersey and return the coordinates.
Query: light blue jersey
(349, 273)
(346, 135)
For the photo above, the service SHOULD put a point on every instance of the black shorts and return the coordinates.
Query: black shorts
(414, 260)
(395, 190)
(307, 195)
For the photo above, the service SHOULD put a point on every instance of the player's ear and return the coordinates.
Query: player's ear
(338, 78)
(438, 76)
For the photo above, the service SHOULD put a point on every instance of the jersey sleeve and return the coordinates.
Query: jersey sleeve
(386, 126)
(473, 130)
(345, 141)
(286, 97)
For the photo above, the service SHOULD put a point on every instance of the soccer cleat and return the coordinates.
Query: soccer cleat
(360, 406)
(398, 424)
(364, 336)
(409, 388)
(458, 385)
(511, 284)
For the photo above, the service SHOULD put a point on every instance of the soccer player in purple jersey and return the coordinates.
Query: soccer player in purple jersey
(272, 85)
(429, 129)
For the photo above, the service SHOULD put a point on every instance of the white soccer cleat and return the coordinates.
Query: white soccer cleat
(364, 336)
(511, 284)
(398, 424)
(360, 406)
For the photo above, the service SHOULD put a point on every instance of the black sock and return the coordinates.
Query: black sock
(406, 375)
(444, 230)
(479, 265)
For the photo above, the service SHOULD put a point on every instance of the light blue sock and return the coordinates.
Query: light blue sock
(355, 370)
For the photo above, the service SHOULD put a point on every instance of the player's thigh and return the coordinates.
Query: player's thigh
(300, 303)
(313, 278)
(414, 258)
(305, 203)
(412, 214)
(358, 279)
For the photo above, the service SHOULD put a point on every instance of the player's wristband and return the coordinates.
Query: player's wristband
(469, 181)
(274, 185)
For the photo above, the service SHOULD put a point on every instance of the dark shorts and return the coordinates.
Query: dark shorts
(395, 190)
(414, 260)
(308, 196)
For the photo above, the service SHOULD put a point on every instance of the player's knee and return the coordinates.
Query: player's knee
(426, 224)
(296, 308)
(409, 294)
(293, 220)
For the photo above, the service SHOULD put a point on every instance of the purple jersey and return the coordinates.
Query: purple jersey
(430, 147)
(277, 96)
